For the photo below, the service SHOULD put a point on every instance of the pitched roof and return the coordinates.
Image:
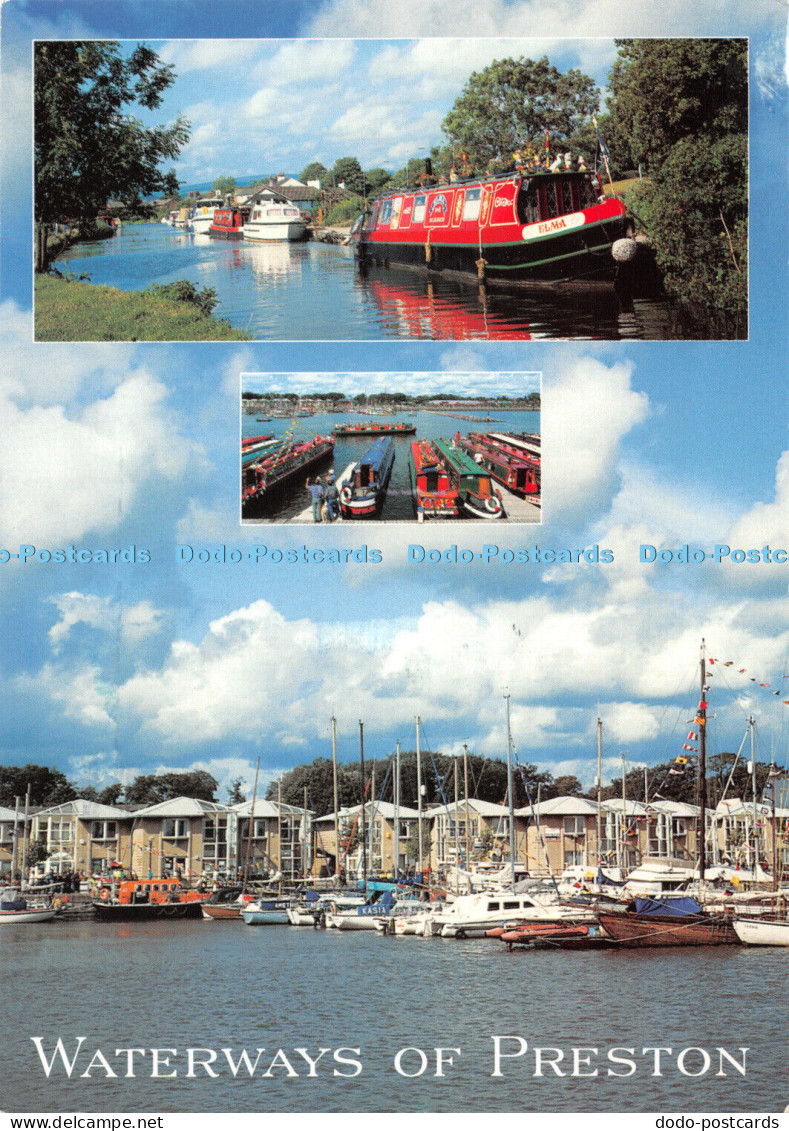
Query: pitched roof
(565, 806)
(483, 808)
(86, 811)
(182, 807)
(266, 808)
(384, 808)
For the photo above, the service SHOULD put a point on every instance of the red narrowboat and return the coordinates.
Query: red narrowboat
(519, 227)
(272, 470)
(508, 465)
(228, 223)
(433, 492)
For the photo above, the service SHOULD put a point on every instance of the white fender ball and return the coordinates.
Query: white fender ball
(624, 250)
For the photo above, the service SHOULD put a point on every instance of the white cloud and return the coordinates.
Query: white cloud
(90, 464)
(308, 61)
(549, 18)
(588, 408)
(207, 54)
(44, 373)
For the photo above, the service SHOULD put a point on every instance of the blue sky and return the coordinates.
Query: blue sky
(110, 671)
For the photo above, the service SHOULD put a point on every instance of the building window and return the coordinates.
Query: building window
(60, 830)
(103, 830)
(574, 826)
(175, 829)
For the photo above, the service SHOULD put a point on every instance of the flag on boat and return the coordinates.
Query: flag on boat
(602, 148)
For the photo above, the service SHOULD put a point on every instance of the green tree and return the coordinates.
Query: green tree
(317, 777)
(88, 148)
(110, 794)
(47, 786)
(235, 794)
(225, 186)
(513, 101)
(376, 179)
(150, 789)
(683, 103)
(348, 171)
(315, 171)
(665, 90)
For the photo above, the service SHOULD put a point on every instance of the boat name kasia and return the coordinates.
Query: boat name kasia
(510, 1054)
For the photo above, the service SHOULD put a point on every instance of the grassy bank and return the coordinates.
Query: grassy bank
(70, 311)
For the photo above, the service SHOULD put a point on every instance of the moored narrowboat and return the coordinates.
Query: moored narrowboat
(347, 428)
(524, 226)
(433, 493)
(515, 470)
(476, 493)
(228, 223)
(278, 466)
(362, 485)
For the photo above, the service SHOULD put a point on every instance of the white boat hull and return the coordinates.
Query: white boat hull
(762, 932)
(292, 230)
(31, 916)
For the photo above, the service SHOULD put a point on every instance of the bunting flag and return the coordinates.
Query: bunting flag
(751, 678)
(680, 760)
(676, 772)
(686, 746)
(692, 736)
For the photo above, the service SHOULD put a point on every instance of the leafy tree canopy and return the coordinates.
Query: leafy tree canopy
(47, 787)
(664, 90)
(225, 186)
(376, 179)
(315, 171)
(88, 149)
(149, 789)
(513, 102)
(347, 170)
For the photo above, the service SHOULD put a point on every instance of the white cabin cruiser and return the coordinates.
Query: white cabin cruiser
(203, 213)
(472, 915)
(274, 220)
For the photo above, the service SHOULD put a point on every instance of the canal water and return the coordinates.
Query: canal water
(292, 499)
(218, 985)
(315, 291)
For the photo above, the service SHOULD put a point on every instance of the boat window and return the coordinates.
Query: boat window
(419, 208)
(567, 197)
(471, 204)
(551, 206)
(396, 206)
(510, 904)
(386, 212)
(528, 205)
(588, 193)
(371, 219)
(494, 907)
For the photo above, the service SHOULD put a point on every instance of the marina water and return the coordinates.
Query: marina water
(315, 291)
(292, 499)
(225, 985)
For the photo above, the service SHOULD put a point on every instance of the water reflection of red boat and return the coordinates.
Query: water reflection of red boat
(428, 312)
(518, 227)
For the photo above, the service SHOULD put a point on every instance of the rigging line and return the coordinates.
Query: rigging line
(438, 776)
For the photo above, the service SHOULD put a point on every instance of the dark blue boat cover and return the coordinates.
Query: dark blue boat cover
(683, 905)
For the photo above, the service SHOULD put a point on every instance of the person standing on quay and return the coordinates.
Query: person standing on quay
(316, 492)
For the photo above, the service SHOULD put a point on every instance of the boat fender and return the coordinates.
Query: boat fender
(104, 895)
(428, 248)
(346, 494)
(624, 250)
(481, 264)
(492, 504)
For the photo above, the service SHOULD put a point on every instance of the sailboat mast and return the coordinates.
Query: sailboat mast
(702, 725)
(755, 832)
(599, 822)
(623, 826)
(465, 790)
(510, 792)
(364, 834)
(419, 794)
(251, 825)
(336, 795)
(397, 811)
